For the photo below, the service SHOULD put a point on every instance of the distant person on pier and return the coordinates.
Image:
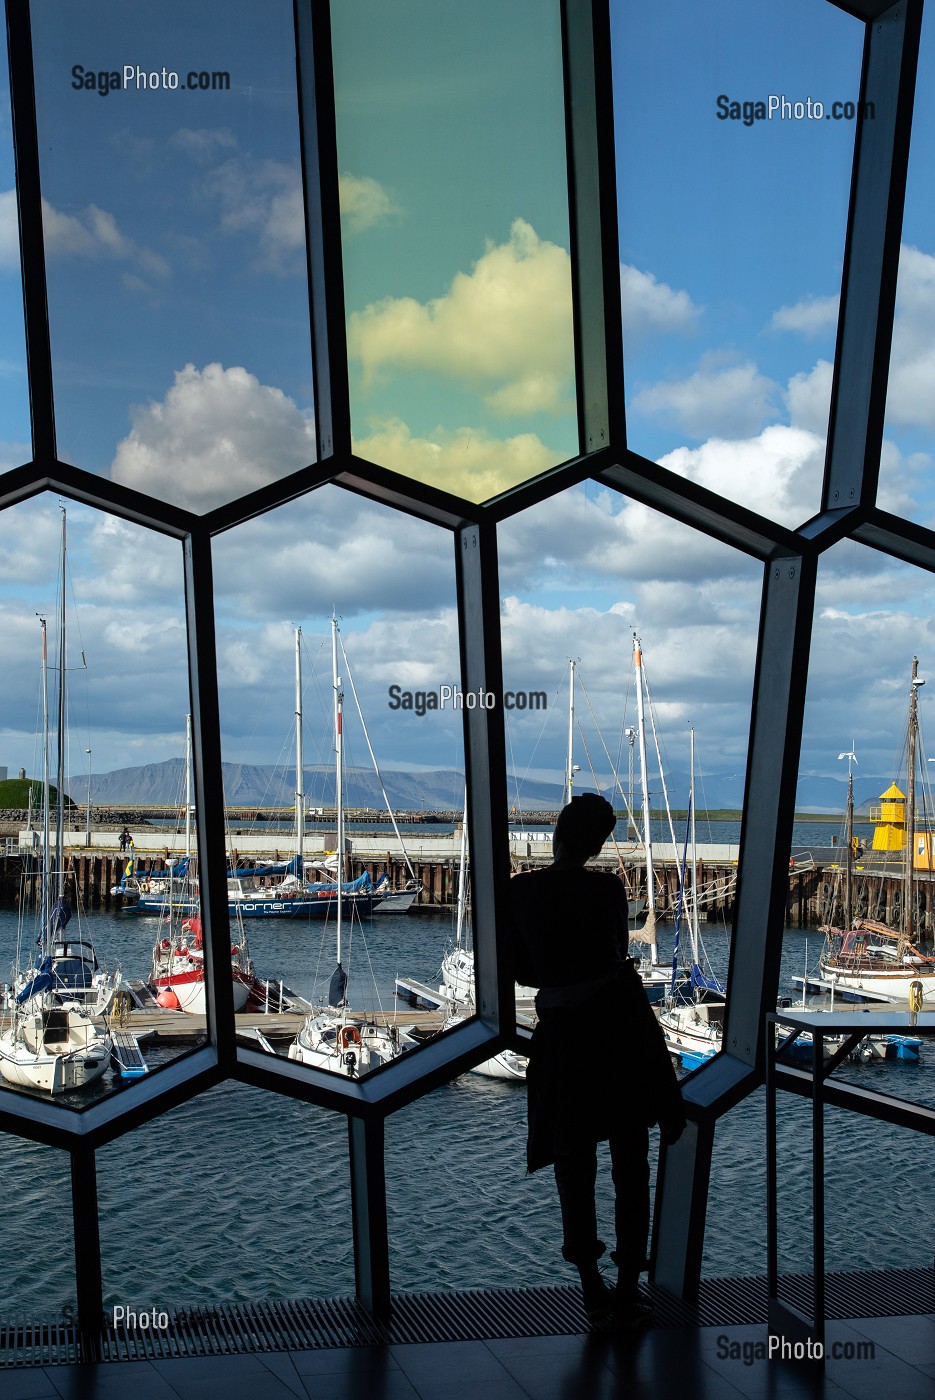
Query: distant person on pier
(124, 839)
(599, 1070)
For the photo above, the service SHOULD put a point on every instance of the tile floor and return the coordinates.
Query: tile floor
(665, 1364)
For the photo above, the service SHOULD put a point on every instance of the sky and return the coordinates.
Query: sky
(179, 314)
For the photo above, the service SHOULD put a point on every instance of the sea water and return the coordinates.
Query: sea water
(240, 1194)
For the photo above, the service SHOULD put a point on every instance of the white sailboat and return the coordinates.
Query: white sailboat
(333, 1037)
(52, 1043)
(693, 1028)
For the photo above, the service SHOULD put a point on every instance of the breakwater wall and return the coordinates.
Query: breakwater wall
(813, 896)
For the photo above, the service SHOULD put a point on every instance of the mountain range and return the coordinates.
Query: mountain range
(245, 785)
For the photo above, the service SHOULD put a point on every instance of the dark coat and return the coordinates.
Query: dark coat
(598, 1059)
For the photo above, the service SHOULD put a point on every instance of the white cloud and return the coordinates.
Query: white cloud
(468, 461)
(777, 473)
(94, 233)
(727, 399)
(203, 144)
(334, 548)
(504, 328)
(263, 198)
(811, 316)
(808, 397)
(649, 306)
(9, 231)
(217, 434)
(364, 202)
(910, 402)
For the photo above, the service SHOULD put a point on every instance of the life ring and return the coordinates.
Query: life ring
(348, 1035)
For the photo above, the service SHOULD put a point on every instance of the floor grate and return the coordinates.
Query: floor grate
(467, 1315)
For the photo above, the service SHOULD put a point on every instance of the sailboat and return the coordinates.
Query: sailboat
(693, 1027)
(654, 976)
(53, 1043)
(865, 958)
(333, 1037)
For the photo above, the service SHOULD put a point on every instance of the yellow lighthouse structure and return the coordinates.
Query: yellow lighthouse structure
(889, 834)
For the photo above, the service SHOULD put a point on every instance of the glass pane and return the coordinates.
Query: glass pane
(732, 222)
(204, 1156)
(508, 1224)
(738, 1172)
(864, 917)
(581, 575)
(173, 207)
(15, 439)
(394, 650)
(37, 1282)
(909, 425)
(457, 275)
(116, 757)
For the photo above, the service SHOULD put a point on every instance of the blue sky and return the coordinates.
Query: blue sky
(178, 304)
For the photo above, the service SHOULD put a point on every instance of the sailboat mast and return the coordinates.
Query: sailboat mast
(339, 768)
(849, 855)
(569, 770)
(46, 819)
(693, 918)
(299, 764)
(188, 787)
(60, 765)
(650, 926)
(459, 922)
(908, 920)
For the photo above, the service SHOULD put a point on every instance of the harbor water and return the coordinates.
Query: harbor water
(242, 1195)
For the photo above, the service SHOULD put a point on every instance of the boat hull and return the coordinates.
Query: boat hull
(78, 1058)
(298, 908)
(889, 984)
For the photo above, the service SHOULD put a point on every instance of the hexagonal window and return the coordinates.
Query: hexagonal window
(342, 720)
(733, 168)
(454, 199)
(173, 204)
(14, 390)
(860, 916)
(638, 633)
(909, 425)
(95, 695)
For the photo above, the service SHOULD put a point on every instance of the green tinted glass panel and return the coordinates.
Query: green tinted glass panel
(734, 149)
(14, 390)
(175, 244)
(454, 206)
(908, 457)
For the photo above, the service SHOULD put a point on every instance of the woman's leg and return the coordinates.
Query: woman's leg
(629, 1156)
(575, 1176)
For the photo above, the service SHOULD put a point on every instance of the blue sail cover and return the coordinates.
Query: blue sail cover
(60, 915)
(704, 983)
(337, 987)
(42, 981)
